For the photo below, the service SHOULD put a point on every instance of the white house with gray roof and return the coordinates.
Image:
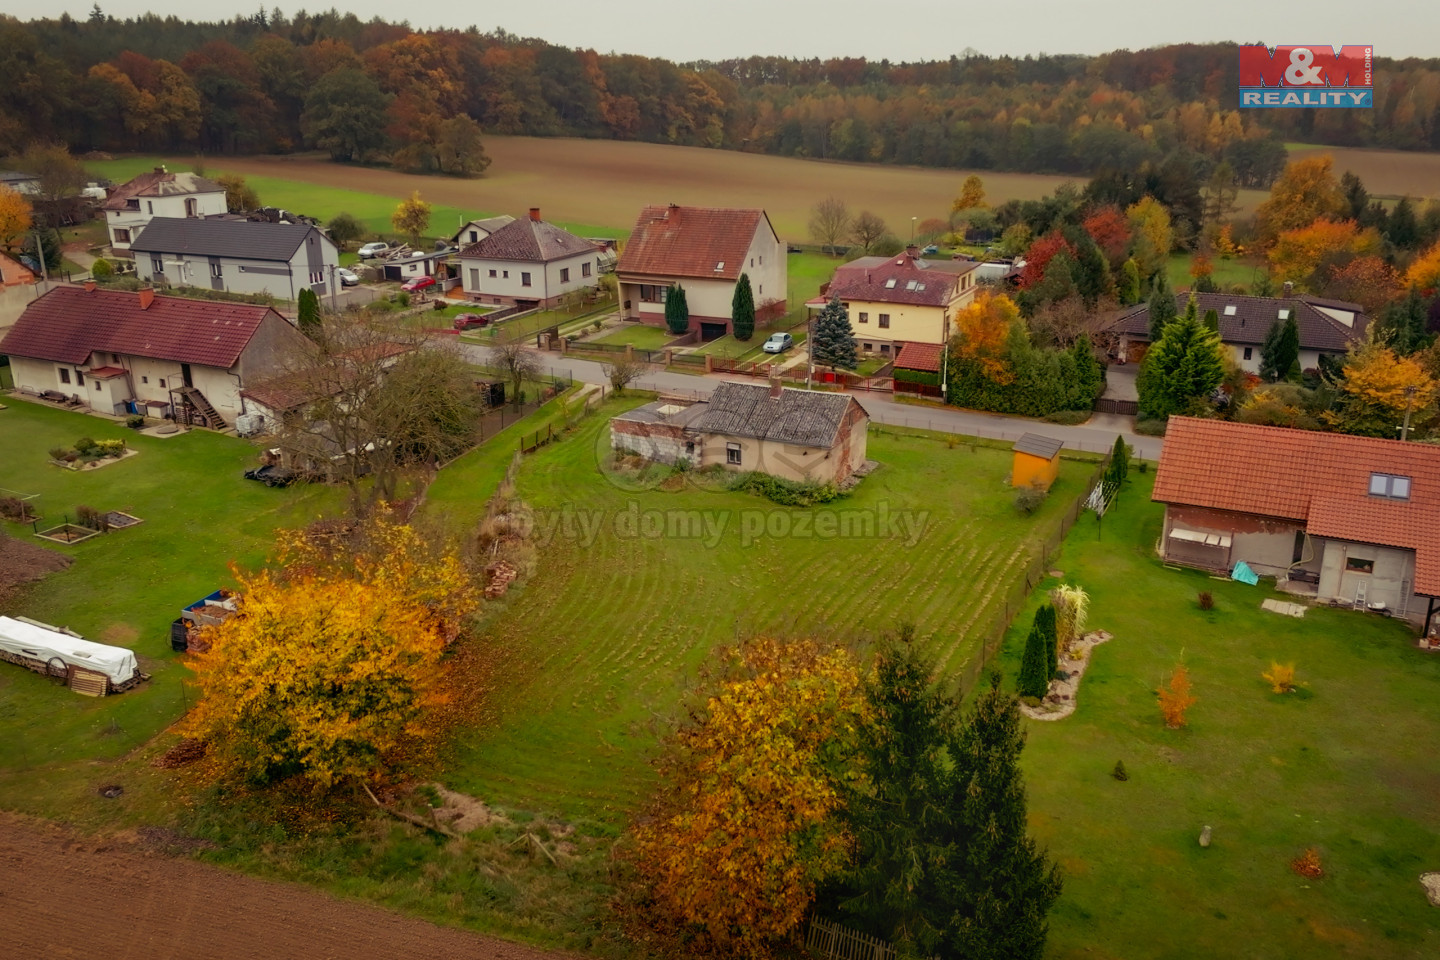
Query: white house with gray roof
(241, 256)
(529, 263)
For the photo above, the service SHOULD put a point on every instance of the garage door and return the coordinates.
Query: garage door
(712, 331)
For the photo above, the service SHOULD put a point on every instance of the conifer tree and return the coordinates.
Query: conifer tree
(1162, 307)
(1088, 373)
(1212, 321)
(1185, 366)
(1287, 360)
(1035, 672)
(677, 311)
(1270, 354)
(1045, 621)
(1129, 291)
(307, 313)
(742, 309)
(1120, 458)
(833, 341)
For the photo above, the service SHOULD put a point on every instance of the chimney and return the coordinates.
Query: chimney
(147, 297)
(1289, 288)
(89, 286)
(161, 169)
(775, 387)
(912, 251)
(535, 214)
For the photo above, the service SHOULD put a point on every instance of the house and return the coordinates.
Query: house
(25, 184)
(122, 352)
(1344, 519)
(528, 263)
(1037, 461)
(1327, 327)
(241, 256)
(406, 264)
(477, 230)
(899, 299)
(799, 435)
(159, 193)
(14, 273)
(704, 250)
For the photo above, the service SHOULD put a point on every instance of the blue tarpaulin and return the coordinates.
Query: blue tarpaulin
(1244, 574)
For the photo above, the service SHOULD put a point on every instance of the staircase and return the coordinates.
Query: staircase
(202, 410)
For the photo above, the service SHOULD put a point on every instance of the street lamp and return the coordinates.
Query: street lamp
(912, 229)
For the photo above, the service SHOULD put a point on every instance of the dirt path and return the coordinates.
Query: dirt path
(66, 896)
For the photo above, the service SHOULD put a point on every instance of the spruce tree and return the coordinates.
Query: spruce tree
(1212, 321)
(1120, 458)
(307, 313)
(1035, 672)
(1129, 291)
(1000, 884)
(1045, 621)
(1406, 323)
(1287, 357)
(742, 309)
(1089, 374)
(1270, 354)
(1162, 307)
(677, 312)
(833, 341)
(1184, 367)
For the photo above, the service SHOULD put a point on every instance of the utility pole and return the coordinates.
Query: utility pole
(333, 307)
(40, 254)
(810, 349)
(1409, 402)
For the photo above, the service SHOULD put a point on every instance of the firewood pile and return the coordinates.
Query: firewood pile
(498, 577)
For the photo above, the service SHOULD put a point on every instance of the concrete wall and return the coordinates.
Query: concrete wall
(278, 279)
(207, 204)
(507, 285)
(1390, 579)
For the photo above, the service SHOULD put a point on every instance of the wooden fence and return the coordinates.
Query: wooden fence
(835, 942)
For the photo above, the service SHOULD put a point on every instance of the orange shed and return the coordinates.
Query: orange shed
(1037, 461)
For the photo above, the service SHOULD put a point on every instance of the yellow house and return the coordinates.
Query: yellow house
(900, 299)
(1037, 461)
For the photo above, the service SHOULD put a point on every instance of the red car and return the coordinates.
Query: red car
(464, 321)
(419, 283)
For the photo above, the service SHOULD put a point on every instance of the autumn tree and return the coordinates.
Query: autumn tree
(345, 229)
(971, 196)
(1183, 368)
(240, 197)
(830, 223)
(332, 663)
(1153, 235)
(866, 229)
(981, 329)
(59, 175)
(1175, 698)
(459, 150)
(832, 339)
(1307, 191)
(1424, 271)
(742, 309)
(1220, 194)
(412, 217)
(623, 371)
(1367, 280)
(1379, 389)
(14, 215)
(517, 363)
(747, 824)
(1305, 254)
(1110, 230)
(345, 115)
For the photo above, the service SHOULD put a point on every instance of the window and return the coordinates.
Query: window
(864, 317)
(192, 207)
(316, 276)
(122, 235)
(585, 269)
(79, 379)
(761, 290)
(492, 274)
(1284, 315)
(216, 270)
(732, 453)
(144, 379)
(1357, 565)
(869, 348)
(524, 279)
(97, 384)
(1230, 310)
(149, 207)
(885, 321)
(762, 260)
(506, 275)
(157, 265)
(64, 375)
(752, 263)
(885, 348)
(652, 293)
(474, 236)
(474, 278)
(564, 274)
(1389, 485)
(719, 265)
(162, 384)
(1249, 352)
(890, 284)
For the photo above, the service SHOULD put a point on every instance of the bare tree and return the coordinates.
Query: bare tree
(517, 363)
(866, 229)
(623, 371)
(830, 223)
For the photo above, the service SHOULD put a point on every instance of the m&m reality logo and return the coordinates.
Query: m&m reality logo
(1306, 76)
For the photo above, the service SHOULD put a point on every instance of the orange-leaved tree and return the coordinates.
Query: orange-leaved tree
(1299, 253)
(332, 662)
(981, 333)
(1175, 698)
(1368, 281)
(1379, 389)
(14, 215)
(1304, 193)
(746, 824)
(1424, 270)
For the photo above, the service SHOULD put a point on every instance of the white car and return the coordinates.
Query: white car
(374, 249)
(348, 278)
(778, 343)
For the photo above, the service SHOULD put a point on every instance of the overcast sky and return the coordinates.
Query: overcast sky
(878, 29)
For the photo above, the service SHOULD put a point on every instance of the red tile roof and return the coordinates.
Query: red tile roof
(69, 323)
(536, 241)
(919, 356)
(691, 242)
(1319, 479)
(157, 184)
(899, 279)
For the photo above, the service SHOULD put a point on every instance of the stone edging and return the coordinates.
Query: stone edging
(1059, 703)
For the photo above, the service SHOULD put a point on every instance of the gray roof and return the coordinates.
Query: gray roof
(488, 224)
(528, 240)
(241, 239)
(651, 413)
(1246, 320)
(1038, 446)
(802, 417)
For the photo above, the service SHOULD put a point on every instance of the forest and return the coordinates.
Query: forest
(383, 92)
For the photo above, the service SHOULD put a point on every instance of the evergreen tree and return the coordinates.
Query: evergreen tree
(1091, 271)
(307, 313)
(1205, 283)
(1263, 286)
(1183, 368)
(1035, 671)
(1401, 227)
(742, 309)
(1212, 321)
(1045, 621)
(1120, 458)
(833, 341)
(1270, 354)
(1357, 198)
(1001, 885)
(1287, 356)
(1089, 374)
(1162, 307)
(1406, 323)
(1129, 291)
(677, 311)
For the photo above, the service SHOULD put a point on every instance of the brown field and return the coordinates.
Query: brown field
(65, 896)
(1387, 173)
(606, 182)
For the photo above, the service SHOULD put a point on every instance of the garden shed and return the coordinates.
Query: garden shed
(1037, 461)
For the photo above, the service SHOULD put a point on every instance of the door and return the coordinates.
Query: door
(185, 374)
(711, 331)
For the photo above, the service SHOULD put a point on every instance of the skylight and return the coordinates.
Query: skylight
(1230, 310)
(720, 266)
(910, 285)
(1284, 314)
(919, 286)
(890, 283)
(1389, 485)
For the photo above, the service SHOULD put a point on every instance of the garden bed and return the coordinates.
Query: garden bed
(117, 520)
(93, 464)
(67, 533)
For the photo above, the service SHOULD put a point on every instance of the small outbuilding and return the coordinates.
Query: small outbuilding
(1037, 461)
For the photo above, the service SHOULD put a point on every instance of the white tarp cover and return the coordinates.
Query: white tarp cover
(37, 643)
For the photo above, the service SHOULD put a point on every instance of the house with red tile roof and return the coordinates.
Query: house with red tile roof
(529, 263)
(900, 299)
(1344, 519)
(119, 352)
(131, 206)
(704, 250)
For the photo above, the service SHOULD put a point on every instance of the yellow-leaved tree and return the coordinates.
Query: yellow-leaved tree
(981, 332)
(333, 661)
(1153, 234)
(14, 215)
(412, 217)
(745, 827)
(972, 195)
(1302, 252)
(1380, 389)
(1424, 270)
(1304, 193)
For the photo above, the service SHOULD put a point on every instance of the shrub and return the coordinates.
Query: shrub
(403, 298)
(135, 421)
(106, 448)
(60, 453)
(1143, 466)
(787, 493)
(1207, 601)
(91, 518)
(1035, 667)
(84, 445)
(1119, 773)
(1281, 677)
(1175, 699)
(101, 269)
(1308, 865)
(15, 510)
(1028, 499)
(1068, 417)
(1150, 428)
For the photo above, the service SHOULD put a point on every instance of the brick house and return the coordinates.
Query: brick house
(902, 299)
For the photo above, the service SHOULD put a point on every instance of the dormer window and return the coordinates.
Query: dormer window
(1390, 486)
(1230, 310)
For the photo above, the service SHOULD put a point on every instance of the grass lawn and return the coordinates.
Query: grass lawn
(639, 335)
(868, 366)
(531, 324)
(1346, 765)
(126, 587)
(1227, 272)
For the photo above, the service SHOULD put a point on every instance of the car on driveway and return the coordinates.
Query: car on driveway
(464, 321)
(778, 343)
(374, 249)
(419, 283)
(348, 278)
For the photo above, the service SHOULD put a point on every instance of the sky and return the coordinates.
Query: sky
(685, 30)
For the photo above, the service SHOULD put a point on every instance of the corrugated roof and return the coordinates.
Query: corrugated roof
(69, 323)
(1038, 446)
(702, 242)
(241, 239)
(534, 241)
(919, 356)
(157, 184)
(803, 417)
(1249, 319)
(1319, 479)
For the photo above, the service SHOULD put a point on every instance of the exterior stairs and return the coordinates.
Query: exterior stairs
(203, 411)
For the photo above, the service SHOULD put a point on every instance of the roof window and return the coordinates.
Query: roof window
(890, 284)
(910, 285)
(919, 286)
(1284, 314)
(1230, 310)
(720, 265)
(1390, 486)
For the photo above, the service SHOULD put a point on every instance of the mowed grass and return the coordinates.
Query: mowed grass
(638, 335)
(1227, 273)
(636, 587)
(124, 588)
(1346, 766)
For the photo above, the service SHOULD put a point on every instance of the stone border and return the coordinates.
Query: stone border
(1059, 703)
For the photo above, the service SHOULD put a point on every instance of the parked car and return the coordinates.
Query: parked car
(464, 321)
(419, 283)
(374, 249)
(778, 343)
(348, 278)
(931, 250)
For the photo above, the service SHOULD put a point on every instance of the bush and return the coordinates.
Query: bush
(1143, 466)
(84, 445)
(1150, 428)
(1207, 601)
(91, 518)
(787, 493)
(106, 448)
(1308, 865)
(135, 421)
(1175, 699)
(1120, 773)
(1029, 499)
(15, 510)
(1067, 417)
(403, 298)
(1281, 677)
(60, 453)
(101, 269)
